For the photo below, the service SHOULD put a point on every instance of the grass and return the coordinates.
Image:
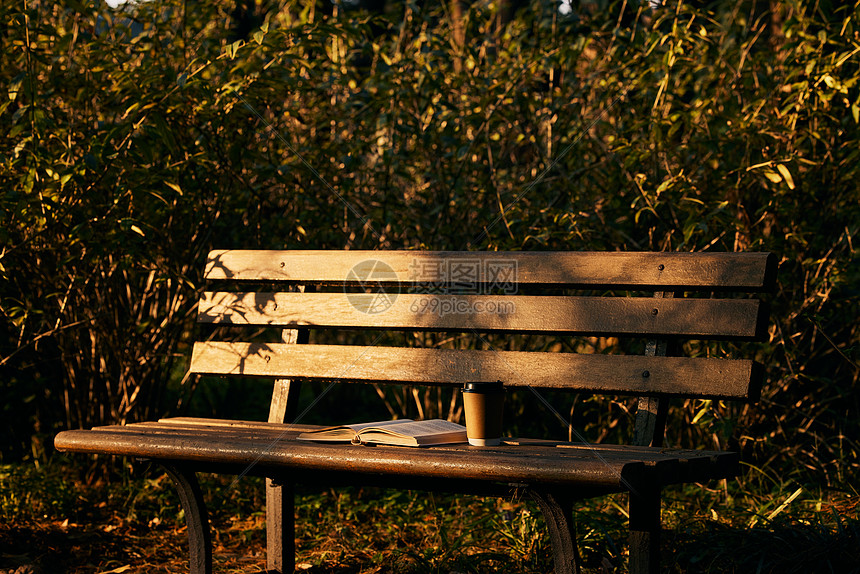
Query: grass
(65, 517)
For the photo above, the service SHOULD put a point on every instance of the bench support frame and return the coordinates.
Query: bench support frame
(196, 517)
(557, 510)
(644, 510)
(280, 496)
(280, 527)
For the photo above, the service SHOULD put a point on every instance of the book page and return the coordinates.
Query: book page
(347, 432)
(398, 432)
(358, 427)
(412, 428)
(414, 433)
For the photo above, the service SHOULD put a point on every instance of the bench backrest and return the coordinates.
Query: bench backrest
(659, 298)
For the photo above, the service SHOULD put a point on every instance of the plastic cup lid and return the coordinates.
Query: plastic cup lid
(484, 387)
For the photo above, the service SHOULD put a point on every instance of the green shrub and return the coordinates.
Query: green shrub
(128, 151)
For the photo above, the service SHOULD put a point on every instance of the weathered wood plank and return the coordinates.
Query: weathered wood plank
(448, 463)
(529, 464)
(272, 432)
(743, 271)
(277, 433)
(706, 318)
(200, 421)
(681, 376)
(671, 465)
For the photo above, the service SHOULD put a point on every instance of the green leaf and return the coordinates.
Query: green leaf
(772, 175)
(234, 47)
(130, 109)
(174, 187)
(786, 175)
(664, 186)
(15, 85)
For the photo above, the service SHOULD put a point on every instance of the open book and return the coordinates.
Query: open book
(405, 432)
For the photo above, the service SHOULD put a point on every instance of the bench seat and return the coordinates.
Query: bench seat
(269, 448)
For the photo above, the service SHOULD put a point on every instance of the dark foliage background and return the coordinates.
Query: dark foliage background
(135, 140)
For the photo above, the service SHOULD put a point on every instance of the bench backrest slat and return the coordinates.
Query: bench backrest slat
(658, 271)
(704, 318)
(616, 374)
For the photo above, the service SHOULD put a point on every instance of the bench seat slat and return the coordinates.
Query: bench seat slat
(202, 421)
(706, 318)
(286, 431)
(588, 466)
(673, 461)
(620, 374)
(741, 271)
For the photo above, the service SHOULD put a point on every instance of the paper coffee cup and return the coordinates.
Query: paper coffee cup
(483, 403)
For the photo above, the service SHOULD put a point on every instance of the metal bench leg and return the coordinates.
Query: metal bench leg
(196, 518)
(644, 509)
(558, 513)
(280, 528)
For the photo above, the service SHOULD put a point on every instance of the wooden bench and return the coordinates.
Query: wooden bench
(651, 302)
